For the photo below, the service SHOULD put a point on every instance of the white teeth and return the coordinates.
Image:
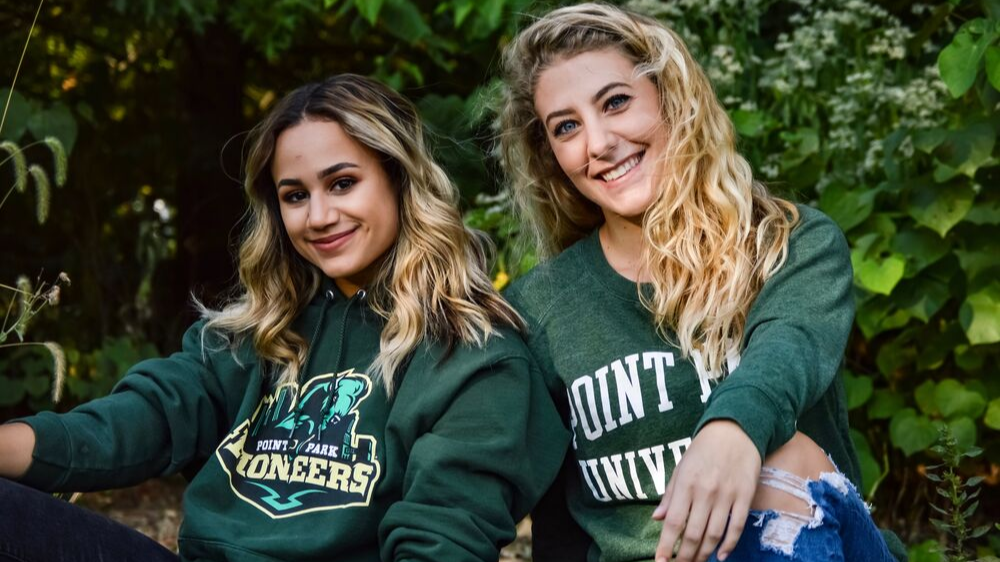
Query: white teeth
(621, 170)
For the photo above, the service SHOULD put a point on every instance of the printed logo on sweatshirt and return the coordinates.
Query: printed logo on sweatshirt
(300, 451)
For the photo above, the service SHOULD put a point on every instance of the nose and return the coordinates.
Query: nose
(601, 140)
(322, 213)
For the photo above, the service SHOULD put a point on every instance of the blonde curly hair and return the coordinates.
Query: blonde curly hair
(712, 236)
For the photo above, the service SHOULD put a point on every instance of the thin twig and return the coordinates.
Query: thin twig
(18, 71)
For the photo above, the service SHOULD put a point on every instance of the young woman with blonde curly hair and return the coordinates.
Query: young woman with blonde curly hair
(694, 322)
(366, 395)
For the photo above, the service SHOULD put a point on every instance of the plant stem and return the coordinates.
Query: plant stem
(10, 95)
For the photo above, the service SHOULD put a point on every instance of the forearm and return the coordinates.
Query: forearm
(17, 442)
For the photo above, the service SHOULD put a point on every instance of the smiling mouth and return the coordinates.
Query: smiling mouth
(333, 238)
(623, 168)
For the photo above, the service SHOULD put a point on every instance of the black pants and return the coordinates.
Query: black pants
(36, 527)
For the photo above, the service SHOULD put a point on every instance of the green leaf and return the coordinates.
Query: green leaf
(878, 275)
(959, 61)
(870, 470)
(965, 150)
(928, 140)
(984, 212)
(369, 9)
(884, 404)
(404, 20)
(921, 247)
(924, 396)
(749, 123)
(462, 10)
(993, 66)
(859, 390)
(922, 297)
(964, 430)
(927, 551)
(57, 122)
(992, 419)
(18, 115)
(954, 399)
(11, 391)
(878, 314)
(847, 207)
(911, 432)
(980, 315)
(939, 207)
(36, 385)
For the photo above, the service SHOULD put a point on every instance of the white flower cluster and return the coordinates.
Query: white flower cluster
(724, 67)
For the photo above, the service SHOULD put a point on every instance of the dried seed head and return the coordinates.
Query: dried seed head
(59, 159)
(20, 165)
(43, 192)
(58, 367)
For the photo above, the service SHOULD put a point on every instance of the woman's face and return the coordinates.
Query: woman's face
(604, 126)
(337, 203)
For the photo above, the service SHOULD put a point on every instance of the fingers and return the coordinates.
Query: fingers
(737, 520)
(713, 532)
(694, 532)
(661, 510)
(674, 519)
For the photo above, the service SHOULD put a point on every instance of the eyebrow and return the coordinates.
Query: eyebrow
(324, 173)
(594, 99)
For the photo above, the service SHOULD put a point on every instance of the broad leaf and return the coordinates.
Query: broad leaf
(954, 399)
(859, 390)
(921, 247)
(959, 61)
(369, 9)
(924, 396)
(980, 315)
(404, 20)
(911, 432)
(993, 66)
(939, 207)
(57, 122)
(878, 275)
(992, 419)
(18, 114)
(964, 430)
(965, 150)
(884, 404)
(848, 208)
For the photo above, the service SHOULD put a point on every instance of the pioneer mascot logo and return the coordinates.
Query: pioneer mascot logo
(299, 452)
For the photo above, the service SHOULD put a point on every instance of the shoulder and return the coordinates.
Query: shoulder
(547, 284)
(505, 346)
(816, 233)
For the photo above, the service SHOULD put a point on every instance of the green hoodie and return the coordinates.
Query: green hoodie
(635, 401)
(329, 469)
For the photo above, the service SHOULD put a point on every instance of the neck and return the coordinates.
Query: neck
(621, 241)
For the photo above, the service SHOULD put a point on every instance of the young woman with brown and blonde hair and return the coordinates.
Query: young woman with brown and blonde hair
(694, 322)
(365, 396)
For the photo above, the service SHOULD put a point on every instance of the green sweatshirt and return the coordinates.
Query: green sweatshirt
(329, 469)
(635, 402)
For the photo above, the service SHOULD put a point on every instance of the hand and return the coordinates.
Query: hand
(709, 494)
(17, 443)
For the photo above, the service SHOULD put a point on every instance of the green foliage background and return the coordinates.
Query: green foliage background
(883, 113)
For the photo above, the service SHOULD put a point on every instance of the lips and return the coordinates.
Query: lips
(333, 241)
(622, 168)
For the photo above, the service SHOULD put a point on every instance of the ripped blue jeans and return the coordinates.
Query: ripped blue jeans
(840, 529)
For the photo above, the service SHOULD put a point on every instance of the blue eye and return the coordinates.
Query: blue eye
(616, 101)
(564, 127)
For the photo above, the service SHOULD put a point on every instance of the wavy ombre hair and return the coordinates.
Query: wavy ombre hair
(712, 235)
(433, 283)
